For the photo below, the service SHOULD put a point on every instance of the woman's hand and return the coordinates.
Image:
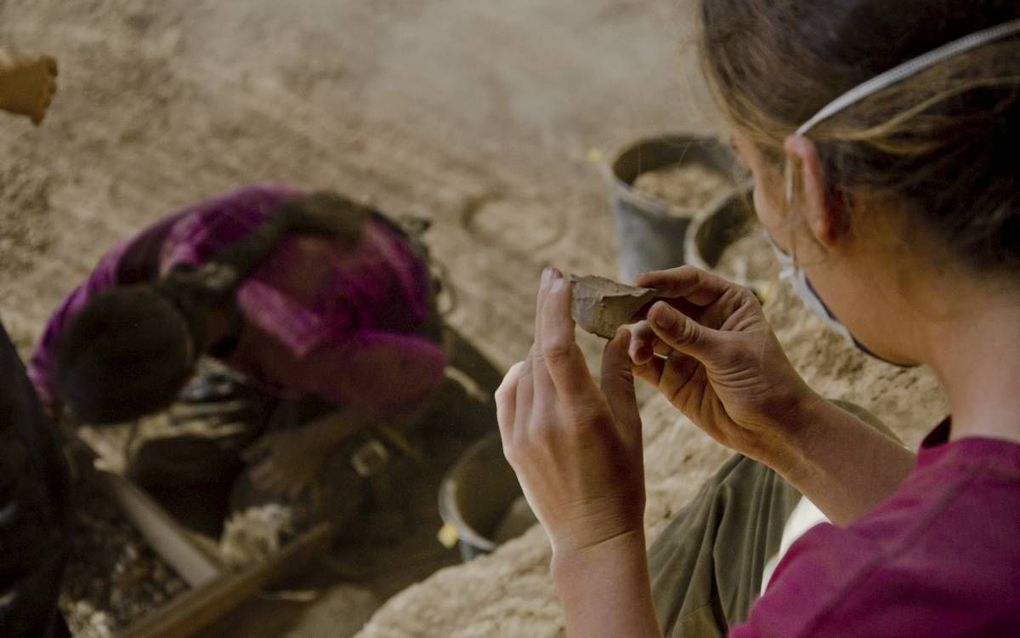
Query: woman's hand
(291, 460)
(27, 84)
(576, 447)
(709, 349)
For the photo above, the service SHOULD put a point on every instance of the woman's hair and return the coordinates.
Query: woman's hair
(131, 349)
(945, 142)
(127, 354)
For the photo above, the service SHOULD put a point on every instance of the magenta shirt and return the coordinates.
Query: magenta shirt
(940, 557)
(319, 320)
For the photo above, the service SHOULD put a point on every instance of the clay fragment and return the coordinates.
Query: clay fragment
(600, 306)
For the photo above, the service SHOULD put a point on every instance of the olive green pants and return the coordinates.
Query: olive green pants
(706, 565)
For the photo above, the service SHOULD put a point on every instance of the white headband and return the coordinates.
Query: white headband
(910, 68)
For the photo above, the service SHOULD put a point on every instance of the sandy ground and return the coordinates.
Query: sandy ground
(476, 113)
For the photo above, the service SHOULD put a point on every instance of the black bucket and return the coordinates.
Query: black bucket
(476, 496)
(651, 234)
(713, 232)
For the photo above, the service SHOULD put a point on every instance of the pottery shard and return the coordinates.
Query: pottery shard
(601, 305)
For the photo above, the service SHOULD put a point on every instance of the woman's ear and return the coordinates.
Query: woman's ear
(823, 216)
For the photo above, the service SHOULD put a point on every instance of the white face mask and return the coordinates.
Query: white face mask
(791, 272)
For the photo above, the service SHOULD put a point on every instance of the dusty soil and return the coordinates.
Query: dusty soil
(748, 259)
(113, 578)
(476, 114)
(686, 187)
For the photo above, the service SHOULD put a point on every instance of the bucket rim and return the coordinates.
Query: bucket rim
(450, 516)
(692, 255)
(649, 203)
(448, 511)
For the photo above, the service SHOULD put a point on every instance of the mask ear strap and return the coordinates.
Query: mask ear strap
(788, 184)
(909, 69)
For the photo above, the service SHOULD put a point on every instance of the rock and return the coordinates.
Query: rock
(600, 306)
(253, 535)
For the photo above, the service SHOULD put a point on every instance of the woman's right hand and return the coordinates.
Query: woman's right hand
(709, 349)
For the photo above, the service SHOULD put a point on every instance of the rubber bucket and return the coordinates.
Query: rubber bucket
(651, 234)
(476, 496)
(713, 231)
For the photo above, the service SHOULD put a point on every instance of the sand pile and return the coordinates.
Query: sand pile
(685, 187)
(748, 259)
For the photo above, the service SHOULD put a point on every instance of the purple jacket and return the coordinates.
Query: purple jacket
(318, 320)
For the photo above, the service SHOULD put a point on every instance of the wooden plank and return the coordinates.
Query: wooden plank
(165, 535)
(192, 611)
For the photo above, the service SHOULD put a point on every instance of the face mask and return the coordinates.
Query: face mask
(791, 272)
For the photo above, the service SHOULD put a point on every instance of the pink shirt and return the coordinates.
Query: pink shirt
(320, 320)
(940, 557)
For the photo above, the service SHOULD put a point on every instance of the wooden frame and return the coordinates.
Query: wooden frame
(215, 590)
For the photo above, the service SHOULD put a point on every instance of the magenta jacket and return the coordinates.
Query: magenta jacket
(318, 320)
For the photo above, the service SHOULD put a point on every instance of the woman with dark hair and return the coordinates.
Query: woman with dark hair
(310, 296)
(882, 138)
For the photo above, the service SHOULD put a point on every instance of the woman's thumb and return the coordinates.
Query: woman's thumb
(683, 334)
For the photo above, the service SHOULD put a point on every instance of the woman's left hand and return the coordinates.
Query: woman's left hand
(576, 447)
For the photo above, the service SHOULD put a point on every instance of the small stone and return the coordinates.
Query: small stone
(600, 306)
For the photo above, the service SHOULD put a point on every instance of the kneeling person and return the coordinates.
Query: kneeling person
(323, 304)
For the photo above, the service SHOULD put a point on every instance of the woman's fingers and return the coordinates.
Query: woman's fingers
(524, 406)
(680, 375)
(559, 352)
(693, 284)
(506, 401)
(543, 390)
(618, 386)
(543, 289)
(651, 372)
(645, 344)
(668, 374)
(506, 405)
(515, 395)
(641, 346)
(683, 334)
